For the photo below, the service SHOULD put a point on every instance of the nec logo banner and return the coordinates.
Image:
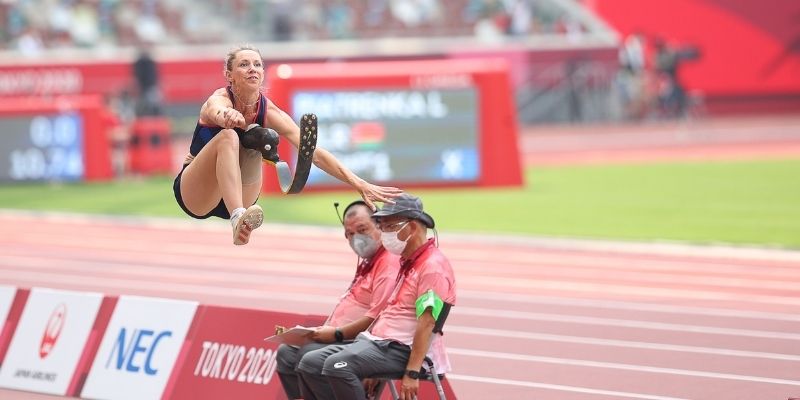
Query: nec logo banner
(133, 350)
(139, 348)
(49, 340)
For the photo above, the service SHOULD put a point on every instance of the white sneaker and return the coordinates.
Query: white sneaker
(245, 223)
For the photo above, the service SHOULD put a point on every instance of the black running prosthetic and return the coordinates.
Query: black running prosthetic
(266, 141)
(294, 183)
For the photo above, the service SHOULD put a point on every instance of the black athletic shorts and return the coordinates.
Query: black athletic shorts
(220, 210)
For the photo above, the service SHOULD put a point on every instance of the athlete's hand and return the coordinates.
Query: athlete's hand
(371, 193)
(230, 118)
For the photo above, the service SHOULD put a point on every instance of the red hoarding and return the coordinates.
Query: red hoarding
(225, 355)
(181, 81)
(748, 52)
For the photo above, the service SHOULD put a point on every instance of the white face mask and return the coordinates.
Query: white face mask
(363, 245)
(392, 243)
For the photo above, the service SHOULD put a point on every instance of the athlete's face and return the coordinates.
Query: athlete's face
(247, 69)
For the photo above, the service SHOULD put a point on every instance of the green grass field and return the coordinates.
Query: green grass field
(754, 202)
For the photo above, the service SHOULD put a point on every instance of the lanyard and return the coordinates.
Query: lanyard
(364, 267)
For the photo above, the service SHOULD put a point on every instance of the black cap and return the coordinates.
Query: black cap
(406, 205)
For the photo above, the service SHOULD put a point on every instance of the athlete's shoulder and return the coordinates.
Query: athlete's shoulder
(271, 105)
(220, 92)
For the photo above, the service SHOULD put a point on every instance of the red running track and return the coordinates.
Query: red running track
(535, 319)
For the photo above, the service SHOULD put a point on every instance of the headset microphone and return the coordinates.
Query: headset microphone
(336, 206)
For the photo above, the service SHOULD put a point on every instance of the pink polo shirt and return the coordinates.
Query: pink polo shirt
(368, 294)
(429, 269)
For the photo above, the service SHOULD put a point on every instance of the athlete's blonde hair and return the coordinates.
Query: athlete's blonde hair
(233, 52)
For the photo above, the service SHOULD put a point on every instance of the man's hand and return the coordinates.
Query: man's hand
(369, 386)
(409, 388)
(324, 334)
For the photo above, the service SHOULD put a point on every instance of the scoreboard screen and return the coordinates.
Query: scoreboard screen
(406, 123)
(397, 135)
(41, 148)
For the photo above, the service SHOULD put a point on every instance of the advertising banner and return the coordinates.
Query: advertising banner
(49, 340)
(139, 349)
(6, 298)
(227, 357)
(7, 294)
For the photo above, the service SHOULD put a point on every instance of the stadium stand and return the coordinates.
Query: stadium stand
(33, 25)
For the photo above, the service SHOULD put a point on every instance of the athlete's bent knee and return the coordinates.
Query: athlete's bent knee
(228, 138)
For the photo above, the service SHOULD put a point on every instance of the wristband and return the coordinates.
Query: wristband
(339, 335)
(412, 374)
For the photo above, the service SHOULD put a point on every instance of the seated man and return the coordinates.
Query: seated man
(400, 337)
(375, 277)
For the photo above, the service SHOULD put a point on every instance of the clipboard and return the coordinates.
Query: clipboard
(297, 336)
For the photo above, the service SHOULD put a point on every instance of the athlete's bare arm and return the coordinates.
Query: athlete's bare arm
(281, 122)
(218, 111)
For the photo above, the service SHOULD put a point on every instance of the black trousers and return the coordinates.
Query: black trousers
(335, 372)
(287, 359)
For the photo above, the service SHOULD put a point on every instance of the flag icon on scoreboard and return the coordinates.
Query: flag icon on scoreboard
(367, 135)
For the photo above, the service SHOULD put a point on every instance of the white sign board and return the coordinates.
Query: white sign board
(49, 340)
(139, 348)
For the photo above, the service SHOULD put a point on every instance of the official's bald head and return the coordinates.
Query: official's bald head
(357, 208)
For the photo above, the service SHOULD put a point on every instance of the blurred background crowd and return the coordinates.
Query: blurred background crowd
(33, 25)
(646, 85)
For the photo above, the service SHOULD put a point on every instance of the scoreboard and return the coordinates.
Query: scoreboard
(60, 138)
(424, 123)
(42, 147)
(397, 135)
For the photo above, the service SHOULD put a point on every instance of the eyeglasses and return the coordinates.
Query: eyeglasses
(392, 227)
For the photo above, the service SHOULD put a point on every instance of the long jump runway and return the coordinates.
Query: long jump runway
(535, 318)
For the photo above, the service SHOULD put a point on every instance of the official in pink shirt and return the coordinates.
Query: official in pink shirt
(358, 307)
(400, 337)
